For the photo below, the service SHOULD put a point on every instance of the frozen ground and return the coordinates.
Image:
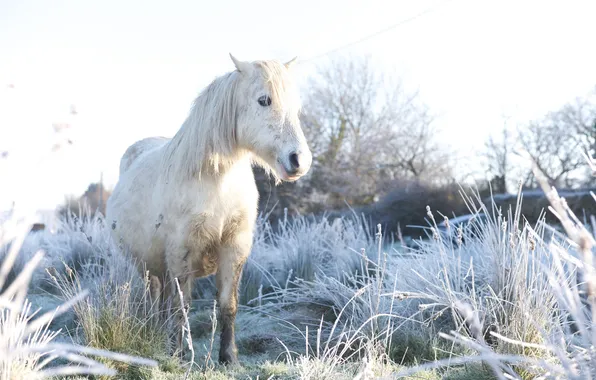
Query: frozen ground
(330, 300)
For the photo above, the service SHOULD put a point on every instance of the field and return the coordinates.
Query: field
(319, 299)
(426, 193)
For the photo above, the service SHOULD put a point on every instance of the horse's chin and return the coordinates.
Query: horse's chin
(283, 174)
(291, 178)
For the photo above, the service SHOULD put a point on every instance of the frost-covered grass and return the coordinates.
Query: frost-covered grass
(29, 347)
(327, 299)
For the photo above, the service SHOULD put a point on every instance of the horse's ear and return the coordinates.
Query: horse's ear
(290, 63)
(243, 67)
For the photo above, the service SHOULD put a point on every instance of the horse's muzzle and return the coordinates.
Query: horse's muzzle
(296, 164)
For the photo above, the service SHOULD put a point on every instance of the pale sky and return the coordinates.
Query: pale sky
(132, 68)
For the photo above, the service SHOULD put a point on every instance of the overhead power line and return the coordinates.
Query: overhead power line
(391, 27)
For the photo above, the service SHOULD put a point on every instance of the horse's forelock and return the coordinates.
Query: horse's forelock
(281, 87)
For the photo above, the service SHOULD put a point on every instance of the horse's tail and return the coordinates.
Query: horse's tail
(139, 148)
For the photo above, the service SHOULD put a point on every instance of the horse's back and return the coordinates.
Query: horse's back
(138, 149)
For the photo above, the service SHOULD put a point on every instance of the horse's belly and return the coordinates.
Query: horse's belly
(133, 223)
(148, 253)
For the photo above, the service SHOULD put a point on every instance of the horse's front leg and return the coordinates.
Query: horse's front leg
(232, 256)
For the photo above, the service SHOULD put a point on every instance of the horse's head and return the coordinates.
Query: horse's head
(267, 119)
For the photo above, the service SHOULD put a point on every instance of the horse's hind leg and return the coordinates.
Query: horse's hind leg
(158, 294)
(152, 298)
(231, 260)
(176, 261)
(155, 291)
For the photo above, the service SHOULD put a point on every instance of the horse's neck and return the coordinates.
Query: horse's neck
(191, 154)
(218, 166)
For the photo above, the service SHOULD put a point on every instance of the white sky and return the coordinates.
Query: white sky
(132, 68)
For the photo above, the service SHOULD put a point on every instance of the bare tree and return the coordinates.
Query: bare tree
(555, 148)
(417, 150)
(365, 129)
(580, 116)
(497, 153)
(556, 142)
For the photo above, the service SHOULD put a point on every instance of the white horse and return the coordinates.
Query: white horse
(187, 206)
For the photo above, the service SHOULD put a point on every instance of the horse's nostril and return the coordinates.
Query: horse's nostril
(294, 161)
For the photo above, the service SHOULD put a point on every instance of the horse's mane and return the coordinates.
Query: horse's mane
(207, 138)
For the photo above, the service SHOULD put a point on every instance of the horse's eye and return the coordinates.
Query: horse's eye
(265, 101)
